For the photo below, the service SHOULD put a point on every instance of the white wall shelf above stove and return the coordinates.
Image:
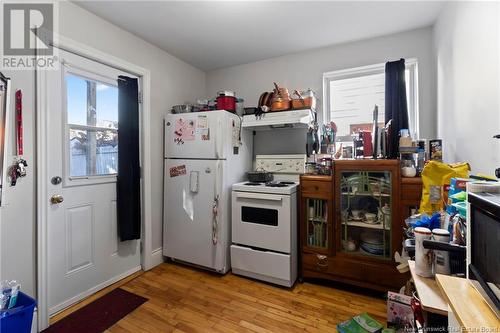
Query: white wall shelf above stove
(279, 120)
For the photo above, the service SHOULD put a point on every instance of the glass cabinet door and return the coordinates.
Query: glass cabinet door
(317, 223)
(366, 213)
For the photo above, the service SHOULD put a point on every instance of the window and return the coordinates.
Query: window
(92, 126)
(350, 96)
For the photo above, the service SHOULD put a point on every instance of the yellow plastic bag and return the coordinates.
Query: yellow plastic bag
(436, 180)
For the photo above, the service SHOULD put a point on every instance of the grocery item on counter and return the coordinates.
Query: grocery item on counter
(436, 178)
(441, 258)
(436, 150)
(405, 138)
(423, 256)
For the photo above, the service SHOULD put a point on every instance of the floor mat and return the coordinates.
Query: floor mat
(99, 315)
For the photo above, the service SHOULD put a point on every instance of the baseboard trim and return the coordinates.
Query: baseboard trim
(53, 311)
(157, 257)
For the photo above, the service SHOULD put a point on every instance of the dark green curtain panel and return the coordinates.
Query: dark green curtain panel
(128, 182)
(395, 103)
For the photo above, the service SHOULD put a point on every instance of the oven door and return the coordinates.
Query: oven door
(261, 220)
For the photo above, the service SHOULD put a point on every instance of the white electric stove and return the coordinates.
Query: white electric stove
(264, 222)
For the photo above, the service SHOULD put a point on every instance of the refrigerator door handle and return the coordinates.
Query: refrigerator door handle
(215, 206)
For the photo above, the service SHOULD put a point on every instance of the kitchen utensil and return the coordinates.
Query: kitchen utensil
(226, 100)
(304, 99)
(356, 213)
(375, 132)
(249, 110)
(280, 104)
(182, 108)
(316, 144)
(309, 143)
(371, 218)
(281, 92)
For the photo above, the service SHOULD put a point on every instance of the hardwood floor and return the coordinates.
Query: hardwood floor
(183, 299)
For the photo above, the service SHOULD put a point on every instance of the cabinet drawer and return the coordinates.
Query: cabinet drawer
(316, 262)
(316, 187)
(411, 193)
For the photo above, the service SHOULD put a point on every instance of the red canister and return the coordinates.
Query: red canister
(226, 100)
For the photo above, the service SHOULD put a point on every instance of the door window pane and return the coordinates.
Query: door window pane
(76, 96)
(78, 148)
(93, 152)
(107, 106)
(91, 107)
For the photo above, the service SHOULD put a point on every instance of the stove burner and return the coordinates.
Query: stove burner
(252, 184)
(288, 183)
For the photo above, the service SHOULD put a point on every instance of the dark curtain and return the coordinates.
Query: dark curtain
(128, 182)
(395, 103)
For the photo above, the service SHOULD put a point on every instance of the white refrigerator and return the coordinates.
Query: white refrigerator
(205, 153)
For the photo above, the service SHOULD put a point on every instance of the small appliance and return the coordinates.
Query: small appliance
(264, 222)
(482, 244)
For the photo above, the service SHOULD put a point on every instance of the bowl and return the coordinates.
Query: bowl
(356, 213)
(371, 217)
(182, 108)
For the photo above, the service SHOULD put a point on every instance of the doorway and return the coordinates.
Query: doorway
(79, 251)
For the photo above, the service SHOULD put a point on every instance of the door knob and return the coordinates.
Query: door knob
(56, 199)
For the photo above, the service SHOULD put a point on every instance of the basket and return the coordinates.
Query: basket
(19, 318)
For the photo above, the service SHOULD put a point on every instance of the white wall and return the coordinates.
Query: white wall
(305, 70)
(466, 41)
(172, 82)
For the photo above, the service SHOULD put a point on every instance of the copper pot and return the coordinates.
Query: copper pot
(280, 104)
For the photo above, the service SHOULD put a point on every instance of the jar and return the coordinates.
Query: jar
(408, 168)
(423, 257)
(404, 138)
(441, 258)
(311, 167)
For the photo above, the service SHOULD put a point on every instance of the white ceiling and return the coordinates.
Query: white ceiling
(213, 34)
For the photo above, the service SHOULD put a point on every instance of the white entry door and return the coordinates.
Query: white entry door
(84, 250)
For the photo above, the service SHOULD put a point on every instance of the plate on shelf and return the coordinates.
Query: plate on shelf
(373, 238)
(362, 250)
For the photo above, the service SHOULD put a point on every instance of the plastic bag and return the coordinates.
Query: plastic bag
(8, 294)
(436, 181)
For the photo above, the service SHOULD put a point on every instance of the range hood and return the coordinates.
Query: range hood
(278, 120)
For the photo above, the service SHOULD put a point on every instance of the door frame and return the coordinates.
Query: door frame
(149, 257)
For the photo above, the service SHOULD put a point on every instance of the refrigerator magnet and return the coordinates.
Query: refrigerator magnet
(178, 170)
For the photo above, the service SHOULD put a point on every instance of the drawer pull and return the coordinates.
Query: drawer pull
(322, 260)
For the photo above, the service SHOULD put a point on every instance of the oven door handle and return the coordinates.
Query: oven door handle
(259, 196)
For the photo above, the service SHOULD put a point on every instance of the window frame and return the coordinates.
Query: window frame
(68, 180)
(411, 64)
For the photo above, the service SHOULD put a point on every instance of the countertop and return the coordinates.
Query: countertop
(429, 293)
(468, 306)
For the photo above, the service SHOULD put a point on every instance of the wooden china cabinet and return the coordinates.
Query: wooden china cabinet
(317, 237)
(361, 232)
